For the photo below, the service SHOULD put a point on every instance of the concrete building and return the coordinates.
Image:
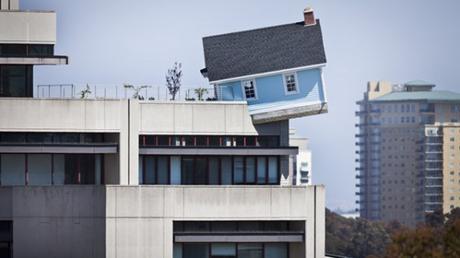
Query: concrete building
(130, 178)
(408, 160)
(302, 162)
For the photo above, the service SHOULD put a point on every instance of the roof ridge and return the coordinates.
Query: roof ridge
(259, 29)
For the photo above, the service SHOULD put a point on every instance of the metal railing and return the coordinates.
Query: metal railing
(141, 92)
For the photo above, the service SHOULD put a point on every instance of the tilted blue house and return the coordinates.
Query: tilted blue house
(277, 70)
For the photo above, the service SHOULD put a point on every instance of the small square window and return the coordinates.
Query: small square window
(249, 89)
(291, 83)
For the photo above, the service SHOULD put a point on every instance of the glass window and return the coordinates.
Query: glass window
(163, 140)
(39, 169)
(273, 170)
(223, 250)
(6, 239)
(58, 169)
(201, 141)
(213, 171)
(87, 169)
(149, 170)
(261, 170)
(188, 140)
(228, 141)
(39, 138)
(214, 141)
(250, 250)
(276, 250)
(226, 168)
(268, 141)
(291, 84)
(13, 137)
(41, 50)
(176, 140)
(201, 171)
(238, 166)
(187, 171)
(67, 138)
(276, 226)
(195, 250)
(175, 170)
(239, 140)
(177, 250)
(197, 226)
(163, 171)
(16, 81)
(250, 141)
(13, 169)
(249, 226)
(250, 170)
(224, 226)
(249, 89)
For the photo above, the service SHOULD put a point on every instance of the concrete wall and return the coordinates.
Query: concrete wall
(9, 4)
(55, 221)
(211, 118)
(29, 27)
(128, 221)
(53, 115)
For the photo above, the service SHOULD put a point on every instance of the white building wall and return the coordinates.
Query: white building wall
(29, 27)
(219, 118)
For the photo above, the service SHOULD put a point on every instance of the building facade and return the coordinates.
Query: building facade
(408, 163)
(302, 162)
(133, 178)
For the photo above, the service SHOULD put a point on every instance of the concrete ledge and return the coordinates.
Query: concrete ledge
(266, 238)
(220, 151)
(54, 60)
(289, 113)
(60, 149)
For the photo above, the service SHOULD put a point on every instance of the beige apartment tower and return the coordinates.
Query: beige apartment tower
(408, 152)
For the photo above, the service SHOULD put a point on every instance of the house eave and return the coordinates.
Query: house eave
(251, 76)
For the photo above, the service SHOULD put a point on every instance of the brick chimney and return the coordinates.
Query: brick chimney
(309, 17)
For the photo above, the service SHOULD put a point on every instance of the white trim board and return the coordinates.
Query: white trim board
(253, 76)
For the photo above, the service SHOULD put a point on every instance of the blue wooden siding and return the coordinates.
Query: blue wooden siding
(271, 88)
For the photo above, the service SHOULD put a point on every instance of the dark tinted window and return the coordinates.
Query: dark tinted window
(6, 239)
(16, 81)
(22, 50)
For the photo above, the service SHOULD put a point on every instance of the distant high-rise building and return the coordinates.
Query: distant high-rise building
(408, 151)
(302, 161)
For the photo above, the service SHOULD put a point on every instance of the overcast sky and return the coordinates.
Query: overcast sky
(136, 41)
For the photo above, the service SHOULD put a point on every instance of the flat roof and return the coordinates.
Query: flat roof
(430, 96)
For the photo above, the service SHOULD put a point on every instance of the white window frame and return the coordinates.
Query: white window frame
(244, 90)
(296, 84)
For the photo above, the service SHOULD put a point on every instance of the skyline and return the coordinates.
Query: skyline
(356, 52)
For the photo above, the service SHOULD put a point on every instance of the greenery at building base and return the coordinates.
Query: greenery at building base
(359, 238)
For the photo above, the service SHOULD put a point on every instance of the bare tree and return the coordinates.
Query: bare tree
(173, 79)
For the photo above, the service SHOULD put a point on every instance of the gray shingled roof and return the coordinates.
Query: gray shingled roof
(263, 50)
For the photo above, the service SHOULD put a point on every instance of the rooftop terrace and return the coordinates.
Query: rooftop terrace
(106, 91)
